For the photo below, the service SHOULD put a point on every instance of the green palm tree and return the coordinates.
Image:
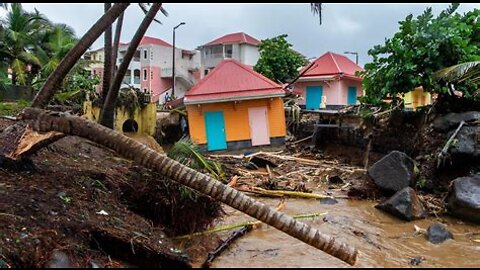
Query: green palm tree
(69, 61)
(18, 43)
(55, 44)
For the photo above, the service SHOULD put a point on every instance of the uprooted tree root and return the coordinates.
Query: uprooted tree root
(74, 203)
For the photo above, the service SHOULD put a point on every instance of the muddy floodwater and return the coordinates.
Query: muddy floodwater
(383, 241)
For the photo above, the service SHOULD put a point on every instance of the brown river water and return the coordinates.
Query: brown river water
(383, 240)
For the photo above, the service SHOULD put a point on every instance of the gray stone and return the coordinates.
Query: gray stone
(59, 260)
(452, 120)
(328, 201)
(393, 172)
(437, 233)
(405, 204)
(467, 142)
(464, 198)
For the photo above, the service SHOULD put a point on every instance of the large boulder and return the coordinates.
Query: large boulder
(405, 204)
(467, 142)
(393, 172)
(452, 120)
(437, 233)
(464, 198)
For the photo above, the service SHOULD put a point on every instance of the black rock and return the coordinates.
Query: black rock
(416, 260)
(452, 120)
(466, 142)
(464, 198)
(405, 204)
(437, 233)
(393, 172)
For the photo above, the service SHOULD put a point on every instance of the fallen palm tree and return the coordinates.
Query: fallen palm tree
(45, 121)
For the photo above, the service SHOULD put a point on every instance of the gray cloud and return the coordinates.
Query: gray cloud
(345, 27)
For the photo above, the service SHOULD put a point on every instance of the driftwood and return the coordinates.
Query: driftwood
(443, 153)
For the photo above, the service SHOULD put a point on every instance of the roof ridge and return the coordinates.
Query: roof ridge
(335, 61)
(257, 74)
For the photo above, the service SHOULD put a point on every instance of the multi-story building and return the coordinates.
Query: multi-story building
(151, 68)
(238, 46)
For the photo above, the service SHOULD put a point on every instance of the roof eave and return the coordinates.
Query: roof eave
(228, 99)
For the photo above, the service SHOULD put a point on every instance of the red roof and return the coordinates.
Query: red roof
(231, 80)
(156, 41)
(331, 64)
(240, 37)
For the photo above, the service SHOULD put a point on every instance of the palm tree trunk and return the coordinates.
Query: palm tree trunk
(44, 121)
(107, 64)
(48, 89)
(118, 32)
(108, 109)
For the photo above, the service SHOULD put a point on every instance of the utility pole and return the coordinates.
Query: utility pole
(173, 58)
(356, 56)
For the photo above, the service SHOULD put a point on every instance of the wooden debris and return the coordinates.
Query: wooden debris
(225, 244)
(281, 193)
(233, 181)
(442, 155)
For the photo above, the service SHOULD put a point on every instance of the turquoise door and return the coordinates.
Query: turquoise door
(215, 127)
(352, 95)
(314, 97)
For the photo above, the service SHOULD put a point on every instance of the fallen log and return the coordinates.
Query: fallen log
(225, 244)
(45, 121)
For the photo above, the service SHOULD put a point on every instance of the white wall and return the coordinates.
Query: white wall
(249, 54)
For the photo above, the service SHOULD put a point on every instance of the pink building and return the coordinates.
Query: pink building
(329, 82)
(151, 68)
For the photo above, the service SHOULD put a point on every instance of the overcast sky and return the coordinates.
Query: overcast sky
(345, 27)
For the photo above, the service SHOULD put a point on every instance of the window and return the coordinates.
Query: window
(206, 72)
(151, 75)
(145, 74)
(145, 54)
(228, 51)
(145, 90)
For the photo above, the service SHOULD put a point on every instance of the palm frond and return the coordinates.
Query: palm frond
(145, 7)
(317, 10)
(188, 153)
(460, 72)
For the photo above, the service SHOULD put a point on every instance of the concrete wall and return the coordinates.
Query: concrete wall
(249, 54)
(145, 118)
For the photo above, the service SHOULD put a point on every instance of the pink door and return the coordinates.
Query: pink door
(259, 131)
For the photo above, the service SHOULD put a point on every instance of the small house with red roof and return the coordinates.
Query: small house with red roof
(239, 46)
(329, 82)
(234, 107)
